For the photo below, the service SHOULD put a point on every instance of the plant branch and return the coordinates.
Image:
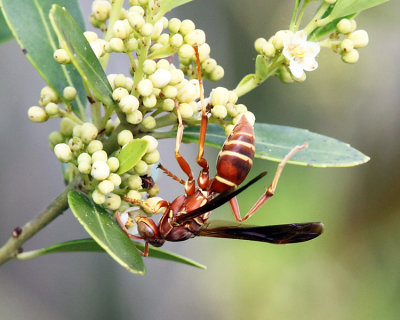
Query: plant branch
(55, 208)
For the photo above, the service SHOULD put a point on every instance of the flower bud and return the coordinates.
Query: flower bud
(163, 39)
(149, 123)
(101, 9)
(90, 36)
(217, 73)
(100, 170)
(195, 37)
(145, 87)
(278, 38)
(209, 65)
(359, 38)
(176, 76)
(75, 144)
(129, 103)
(219, 111)
(141, 168)
(55, 137)
(69, 93)
(113, 201)
(150, 101)
(135, 117)
(219, 95)
(37, 114)
(134, 182)
(121, 29)
(186, 26)
(120, 80)
(186, 110)
(52, 109)
(84, 157)
(67, 126)
(98, 197)
(174, 24)
(134, 195)
(99, 155)
(160, 78)
(344, 26)
(61, 56)
(115, 179)
(63, 152)
(188, 93)
(152, 143)
(149, 66)
(228, 129)
(131, 44)
(152, 157)
(176, 40)
(136, 9)
(124, 137)
(204, 52)
(119, 93)
(146, 30)
(170, 91)
(105, 186)
(116, 45)
(113, 163)
(186, 51)
(258, 44)
(351, 56)
(47, 95)
(88, 132)
(268, 49)
(346, 45)
(84, 167)
(168, 105)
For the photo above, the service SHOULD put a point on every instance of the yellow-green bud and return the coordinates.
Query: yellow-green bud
(186, 26)
(153, 191)
(120, 80)
(69, 93)
(52, 109)
(146, 30)
(219, 111)
(119, 93)
(168, 105)
(135, 117)
(344, 26)
(219, 95)
(134, 195)
(124, 137)
(157, 29)
(63, 152)
(115, 179)
(84, 157)
(174, 24)
(105, 186)
(84, 167)
(152, 157)
(141, 168)
(149, 66)
(101, 9)
(121, 29)
(195, 37)
(129, 103)
(268, 49)
(131, 44)
(98, 197)
(90, 36)
(116, 45)
(170, 91)
(204, 52)
(163, 39)
(185, 110)
(136, 20)
(278, 38)
(61, 56)
(145, 87)
(351, 56)
(75, 144)
(99, 155)
(359, 38)
(209, 65)
(136, 9)
(150, 101)
(228, 129)
(88, 132)
(217, 73)
(346, 45)
(113, 163)
(258, 44)
(100, 170)
(55, 137)
(134, 182)
(188, 93)
(113, 201)
(149, 123)
(160, 78)
(152, 143)
(47, 95)
(67, 126)
(186, 51)
(177, 76)
(176, 40)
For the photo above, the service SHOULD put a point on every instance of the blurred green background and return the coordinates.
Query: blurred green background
(350, 272)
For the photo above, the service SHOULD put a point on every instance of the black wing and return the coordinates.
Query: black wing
(217, 201)
(278, 234)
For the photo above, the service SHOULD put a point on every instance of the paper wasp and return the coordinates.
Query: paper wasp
(187, 216)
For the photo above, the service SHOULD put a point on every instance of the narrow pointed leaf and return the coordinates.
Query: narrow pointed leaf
(89, 245)
(5, 32)
(131, 154)
(327, 29)
(106, 232)
(29, 22)
(347, 7)
(273, 142)
(81, 53)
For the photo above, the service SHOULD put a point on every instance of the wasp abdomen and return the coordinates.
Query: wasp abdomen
(236, 157)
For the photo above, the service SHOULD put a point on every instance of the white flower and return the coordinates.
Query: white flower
(300, 52)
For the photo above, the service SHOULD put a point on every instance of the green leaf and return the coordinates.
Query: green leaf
(168, 5)
(89, 245)
(329, 28)
(131, 154)
(273, 142)
(261, 68)
(347, 7)
(30, 25)
(106, 232)
(81, 53)
(5, 32)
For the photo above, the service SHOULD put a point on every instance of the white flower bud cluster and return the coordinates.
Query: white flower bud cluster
(224, 106)
(354, 39)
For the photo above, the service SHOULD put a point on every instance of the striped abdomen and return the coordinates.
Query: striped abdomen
(236, 157)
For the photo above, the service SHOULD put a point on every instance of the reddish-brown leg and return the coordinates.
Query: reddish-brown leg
(146, 246)
(270, 190)
(160, 204)
(170, 174)
(204, 174)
